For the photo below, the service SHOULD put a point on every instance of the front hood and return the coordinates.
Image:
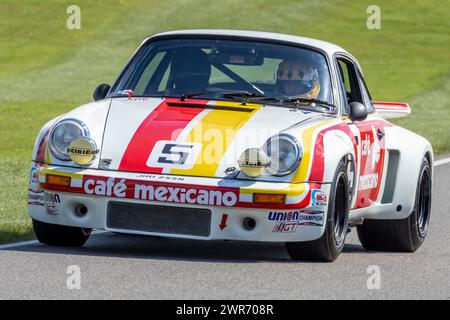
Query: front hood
(194, 137)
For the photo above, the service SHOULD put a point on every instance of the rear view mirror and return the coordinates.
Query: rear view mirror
(235, 56)
(101, 91)
(358, 111)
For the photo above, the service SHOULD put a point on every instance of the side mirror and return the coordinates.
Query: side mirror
(390, 110)
(358, 111)
(101, 91)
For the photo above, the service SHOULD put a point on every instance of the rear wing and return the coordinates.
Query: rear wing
(390, 110)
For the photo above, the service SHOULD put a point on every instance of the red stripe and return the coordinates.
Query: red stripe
(163, 123)
(42, 149)
(130, 192)
(318, 163)
(391, 105)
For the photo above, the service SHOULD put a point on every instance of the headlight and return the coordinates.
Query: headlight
(284, 152)
(253, 162)
(63, 134)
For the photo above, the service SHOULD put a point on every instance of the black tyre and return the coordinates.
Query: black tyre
(57, 235)
(404, 235)
(328, 247)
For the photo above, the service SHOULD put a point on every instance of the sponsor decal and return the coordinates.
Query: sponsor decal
(105, 163)
(51, 209)
(365, 145)
(371, 164)
(284, 216)
(36, 197)
(288, 221)
(82, 151)
(311, 218)
(285, 227)
(159, 177)
(34, 176)
(43, 198)
(368, 181)
(369, 148)
(158, 191)
(376, 149)
(318, 198)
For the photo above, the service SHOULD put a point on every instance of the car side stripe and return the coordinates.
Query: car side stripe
(42, 151)
(308, 137)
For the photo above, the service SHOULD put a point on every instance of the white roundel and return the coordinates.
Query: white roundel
(376, 149)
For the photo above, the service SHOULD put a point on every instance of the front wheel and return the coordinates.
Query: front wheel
(328, 247)
(57, 235)
(406, 234)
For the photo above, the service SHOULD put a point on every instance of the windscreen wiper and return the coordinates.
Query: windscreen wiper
(243, 96)
(300, 100)
(188, 95)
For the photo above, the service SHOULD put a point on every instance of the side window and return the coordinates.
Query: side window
(147, 74)
(365, 93)
(163, 85)
(349, 81)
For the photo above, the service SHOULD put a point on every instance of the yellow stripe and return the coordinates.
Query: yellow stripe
(44, 171)
(292, 190)
(216, 131)
(308, 150)
(47, 155)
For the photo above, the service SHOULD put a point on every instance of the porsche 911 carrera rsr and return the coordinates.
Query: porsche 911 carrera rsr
(236, 135)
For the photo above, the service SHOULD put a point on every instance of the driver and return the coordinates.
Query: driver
(297, 78)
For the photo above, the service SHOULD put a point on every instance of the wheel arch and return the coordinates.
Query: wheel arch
(411, 149)
(339, 147)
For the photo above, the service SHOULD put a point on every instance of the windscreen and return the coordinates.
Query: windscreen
(212, 69)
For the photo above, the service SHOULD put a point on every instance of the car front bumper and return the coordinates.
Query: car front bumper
(227, 202)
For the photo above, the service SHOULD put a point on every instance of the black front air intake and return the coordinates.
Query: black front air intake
(160, 219)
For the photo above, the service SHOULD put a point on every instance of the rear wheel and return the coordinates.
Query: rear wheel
(57, 235)
(329, 245)
(402, 235)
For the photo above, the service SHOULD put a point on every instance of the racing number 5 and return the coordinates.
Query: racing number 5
(173, 156)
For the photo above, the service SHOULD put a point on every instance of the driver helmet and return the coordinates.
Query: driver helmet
(297, 78)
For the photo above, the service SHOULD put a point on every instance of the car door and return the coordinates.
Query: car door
(369, 135)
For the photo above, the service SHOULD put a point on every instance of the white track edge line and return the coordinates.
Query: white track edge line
(30, 242)
(440, 162)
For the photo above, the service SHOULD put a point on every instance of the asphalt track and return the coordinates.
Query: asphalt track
(135, 267)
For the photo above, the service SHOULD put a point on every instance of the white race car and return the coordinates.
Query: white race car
(237, 135)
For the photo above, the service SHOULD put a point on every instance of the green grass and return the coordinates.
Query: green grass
(46, 69)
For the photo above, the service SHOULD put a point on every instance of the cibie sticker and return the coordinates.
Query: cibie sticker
(318, 198)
